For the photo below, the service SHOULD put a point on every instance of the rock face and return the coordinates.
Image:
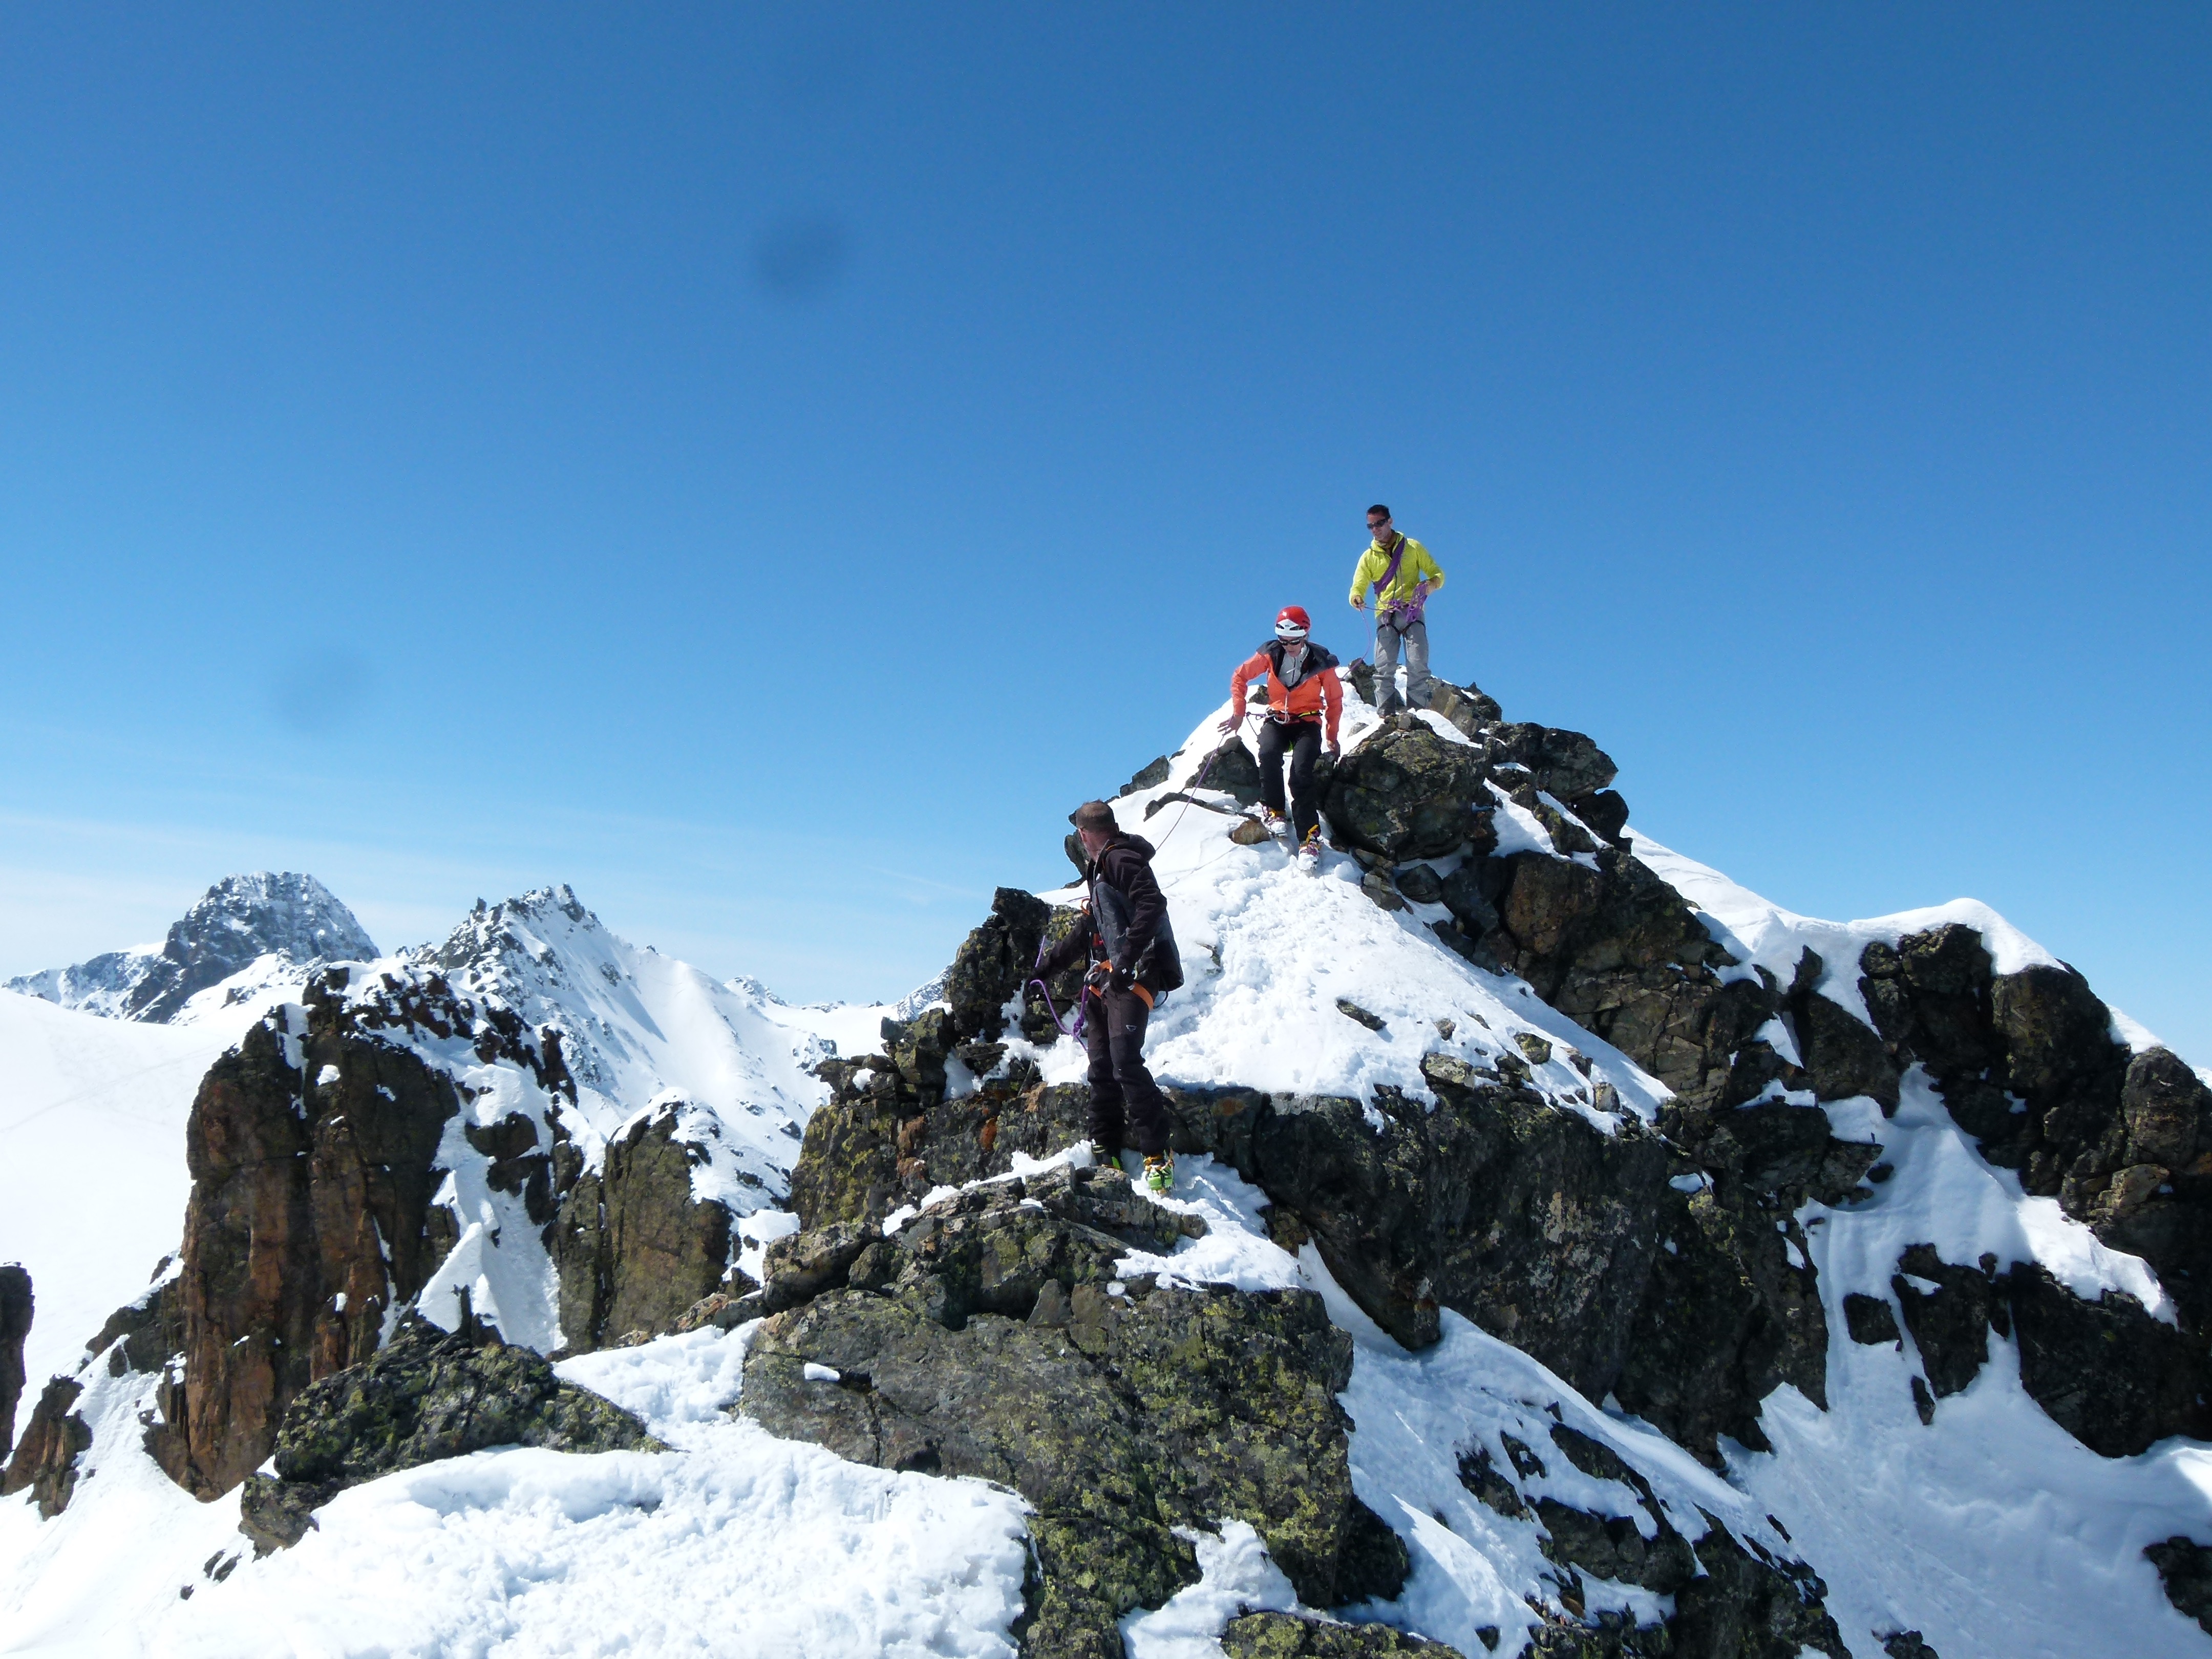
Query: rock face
(2026, 1063)
(15, 1309)
(1528, 1220)
(427, 1395)
(1406, 792)
(633, 1247)
(239, 919)
(45, 1461)
(313, 1160)
(988, 1339)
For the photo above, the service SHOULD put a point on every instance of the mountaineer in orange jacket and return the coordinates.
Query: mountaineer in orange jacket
(1304, 698)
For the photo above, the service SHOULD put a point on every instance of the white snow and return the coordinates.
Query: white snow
(732, 1543)
(93, 1181)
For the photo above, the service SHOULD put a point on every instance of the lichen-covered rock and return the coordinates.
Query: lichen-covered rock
(993, 961)
(995, 1345)
(1286, 1635)
(44, 1460)
(1405, 793)
(634, 1248)
(428, 1395)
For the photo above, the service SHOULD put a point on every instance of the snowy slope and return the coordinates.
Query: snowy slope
(92, 1162)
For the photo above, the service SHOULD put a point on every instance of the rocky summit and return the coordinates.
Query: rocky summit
(1571, 1254)
(237, 923)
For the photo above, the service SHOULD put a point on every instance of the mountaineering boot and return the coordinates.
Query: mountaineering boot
(1309, 849)
(1272, 821)
(1159, 1173)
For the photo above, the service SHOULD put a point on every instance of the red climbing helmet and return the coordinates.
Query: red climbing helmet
(1292, 623)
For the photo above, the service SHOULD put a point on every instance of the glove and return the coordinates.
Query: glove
(1120, 978)
(1230, 724)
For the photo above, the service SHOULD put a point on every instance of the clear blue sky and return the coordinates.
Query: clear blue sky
(765, 467)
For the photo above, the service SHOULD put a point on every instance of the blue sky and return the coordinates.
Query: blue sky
(764, 467)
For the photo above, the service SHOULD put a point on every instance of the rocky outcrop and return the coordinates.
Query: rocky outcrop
(2028, 1064)
(428, 1395)
(1529, 1220)
(633, 1247)
(2184, 1567)
(16, 1304)
(974, 1341)
(312, 1159)
(1286, 1635)
(44, 1460)
(1406, 792)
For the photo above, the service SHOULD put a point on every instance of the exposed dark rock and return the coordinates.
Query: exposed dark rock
(1869, 1319)
(1730, 1313)
(1950, 1324)
(426, 1396)
(1420, 884)
(992, 962)
(1756, 1607)
(1285, 1636)
(1152, 772)
(1605, 812)
(1907, 1645)
(634, 1248)
(2109, 1375)
(1194, 1406)
(1373, 1563)
(16, 1305)
(1232, 769)
(1841, 1056)
(1564, 764)
(2184, 1567)
(1405, 793)
(1382, 890)
(1352, 1010)
(1526, 1218)
(1480, 1476)
(44, 1460)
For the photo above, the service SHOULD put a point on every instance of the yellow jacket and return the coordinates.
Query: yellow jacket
(1416, 566)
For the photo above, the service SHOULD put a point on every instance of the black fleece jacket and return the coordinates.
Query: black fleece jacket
(1128, 918)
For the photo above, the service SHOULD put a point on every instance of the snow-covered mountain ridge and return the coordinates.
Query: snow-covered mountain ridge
(247, 937)
(1624, 1264)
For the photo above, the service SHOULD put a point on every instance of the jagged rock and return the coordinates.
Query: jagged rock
(993, 961)
(1564, 764)
(16, 1304)
(1950, 1325)
(1907, 1645)
(1286, 1635)
(1488, 1483)
(1751, 1606)
(1352, 1010)
(44, 1460)
(1405, 793)
(2184, 1567)
(1527, 1219)
(1193, 1406)
(1730, 1313)
(1870, 1319)
(1420, 884)
(1232, 769)
(1605, 812)
(427, 1395)
(1841, 1056)
(1152, 772)
(305, 1194)
(2109, 1374)
(634, 1250)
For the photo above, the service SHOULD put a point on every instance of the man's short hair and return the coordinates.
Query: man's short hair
(1378, 508)
(1093, 815)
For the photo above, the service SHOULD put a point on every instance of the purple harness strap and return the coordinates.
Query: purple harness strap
(1400, 614)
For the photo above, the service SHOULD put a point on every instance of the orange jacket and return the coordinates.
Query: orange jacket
(1319, 693)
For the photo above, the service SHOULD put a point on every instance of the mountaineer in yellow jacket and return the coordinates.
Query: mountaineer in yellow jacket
(1403, 576)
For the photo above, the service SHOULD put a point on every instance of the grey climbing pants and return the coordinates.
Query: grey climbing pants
(1419, 683)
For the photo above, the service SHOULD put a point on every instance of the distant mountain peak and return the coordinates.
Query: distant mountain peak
(237, 921)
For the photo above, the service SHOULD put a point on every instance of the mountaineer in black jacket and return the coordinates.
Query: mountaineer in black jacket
(1134, 963)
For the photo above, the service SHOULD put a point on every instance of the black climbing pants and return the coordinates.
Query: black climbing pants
(1303, 739)
(1126, 1107)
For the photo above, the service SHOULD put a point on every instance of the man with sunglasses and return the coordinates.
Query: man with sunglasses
(1403, 576)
